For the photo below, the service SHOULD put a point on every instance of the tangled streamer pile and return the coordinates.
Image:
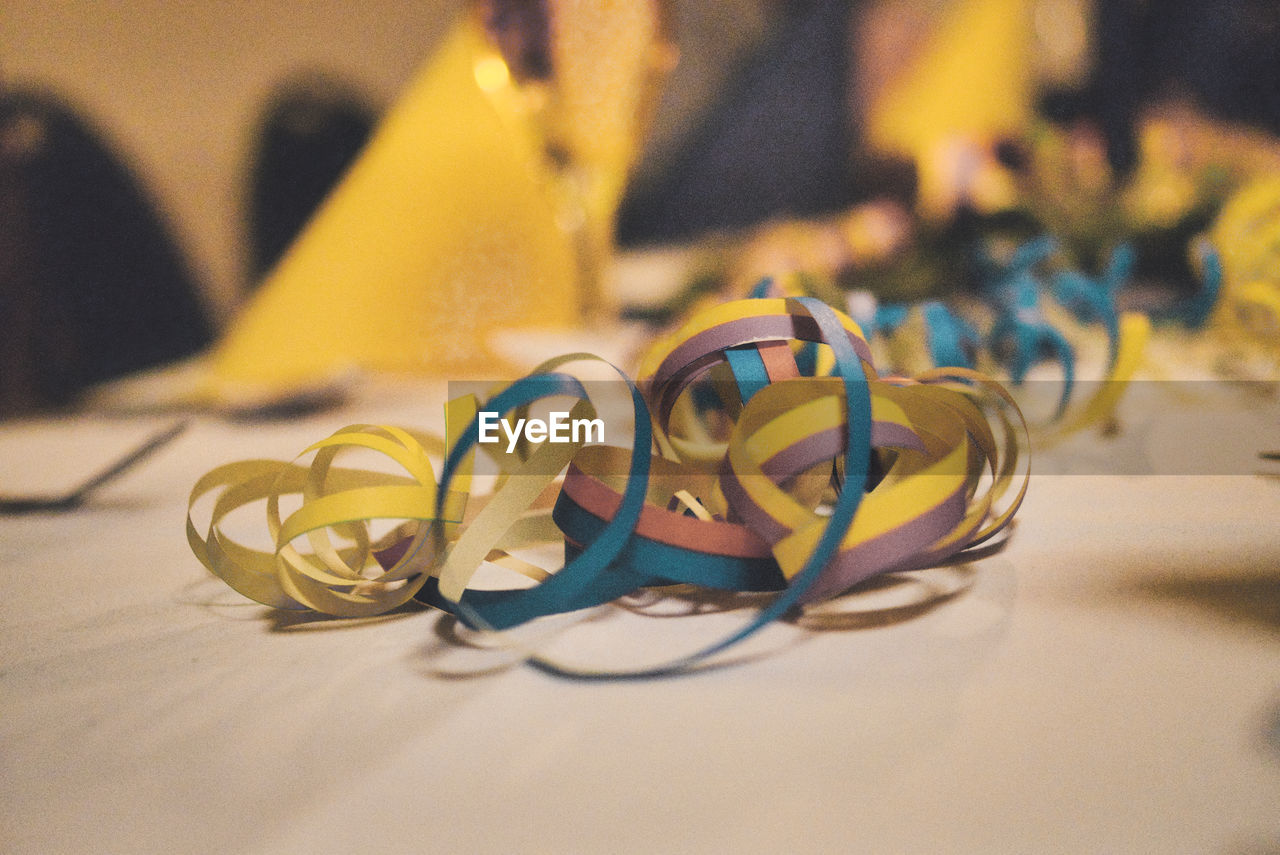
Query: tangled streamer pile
(744, 474)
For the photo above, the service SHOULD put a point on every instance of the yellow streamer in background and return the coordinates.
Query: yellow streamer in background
(1247, 237)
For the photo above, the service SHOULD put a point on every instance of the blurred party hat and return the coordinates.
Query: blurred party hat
(469, 212)
(971, 81)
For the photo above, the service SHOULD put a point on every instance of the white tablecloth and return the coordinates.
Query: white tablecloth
(1109, 683)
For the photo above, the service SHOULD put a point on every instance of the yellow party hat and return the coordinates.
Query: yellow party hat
(971, 81)
(443, 231)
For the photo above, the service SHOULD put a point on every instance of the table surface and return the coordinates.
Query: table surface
(1108, 683)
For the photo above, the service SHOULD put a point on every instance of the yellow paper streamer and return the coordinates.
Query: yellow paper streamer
(1247, 237)
(338, 580)
(952, 442)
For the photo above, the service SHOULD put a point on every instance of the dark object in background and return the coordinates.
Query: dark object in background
(311, 130)
(777, 143)
(92, 286)
(78, 495)
(1221, 54)
(522, 31)
(1118, 86)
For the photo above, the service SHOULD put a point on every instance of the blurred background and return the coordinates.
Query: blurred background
(776, 108)
(179, 91)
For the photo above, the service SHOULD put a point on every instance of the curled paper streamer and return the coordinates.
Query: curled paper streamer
(1247, 237)
(332, 579)
(1018, 335)
(775, 481)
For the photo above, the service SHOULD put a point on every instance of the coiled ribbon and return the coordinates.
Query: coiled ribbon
(773, 481)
